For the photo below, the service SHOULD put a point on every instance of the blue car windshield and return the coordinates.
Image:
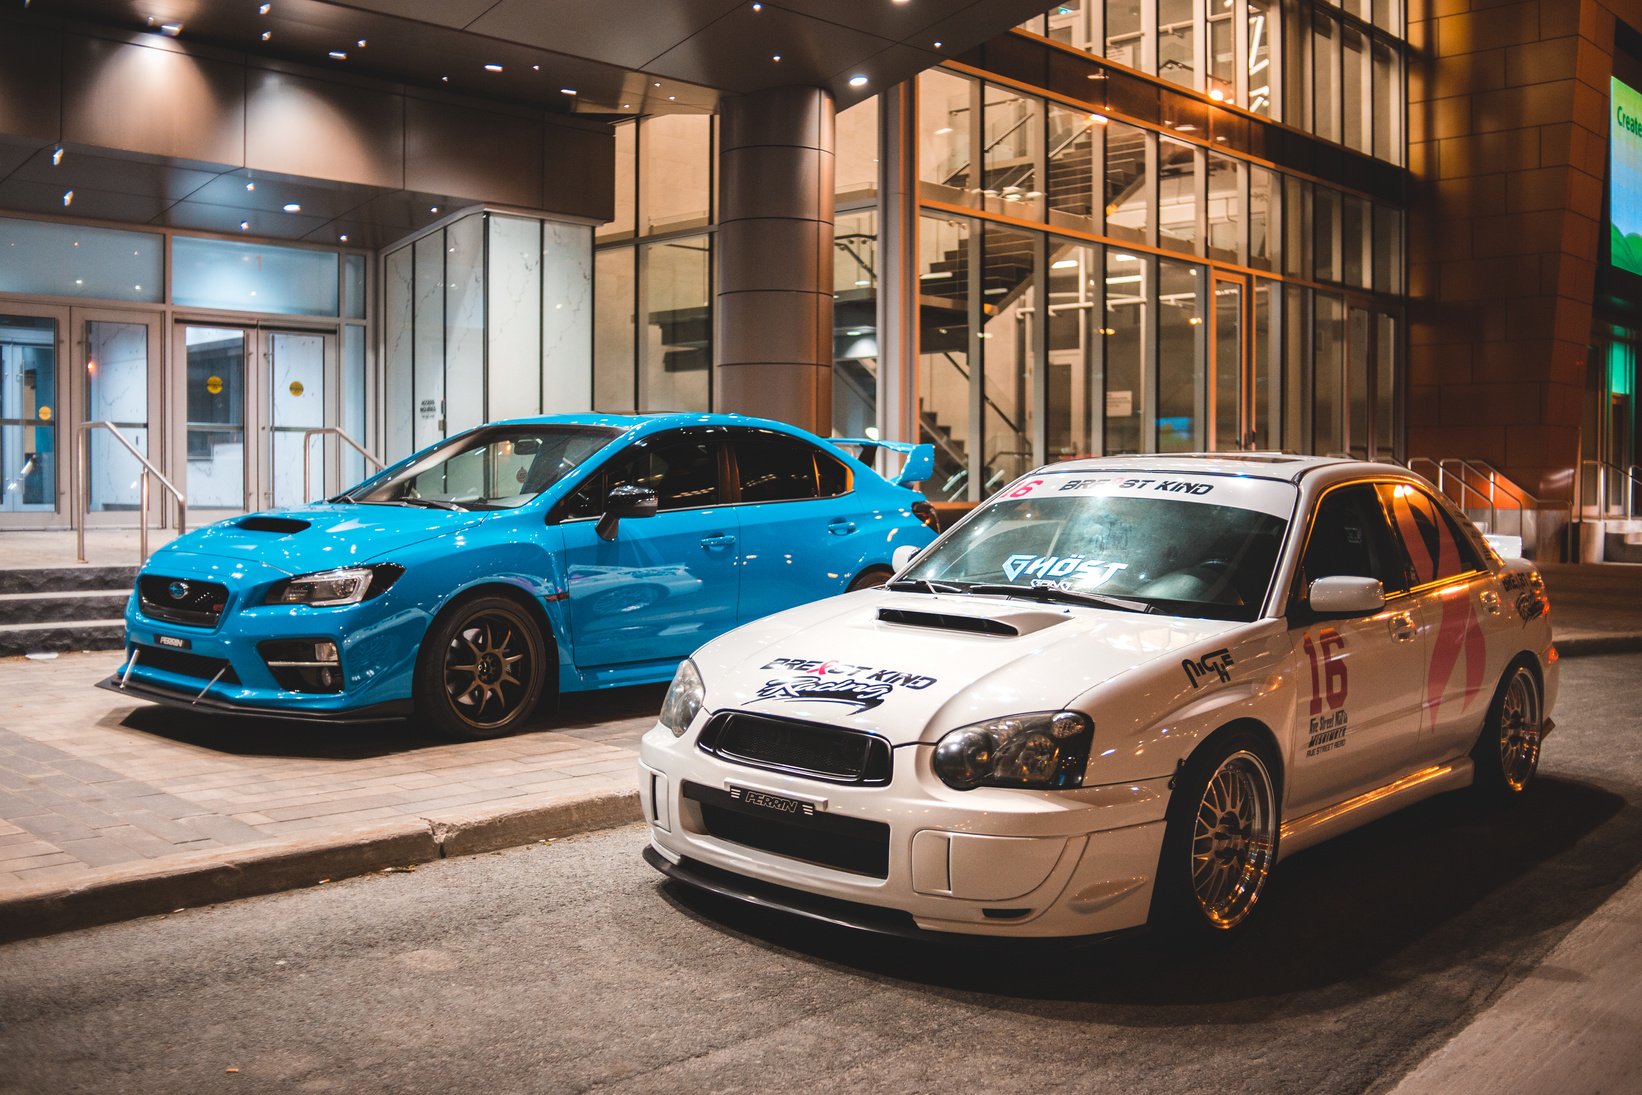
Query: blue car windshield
(496, 467)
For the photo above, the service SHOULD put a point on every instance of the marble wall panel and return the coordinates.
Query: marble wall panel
(464, 324)
(399, 295)
(515, 317)
(567, 317)
(428, 389)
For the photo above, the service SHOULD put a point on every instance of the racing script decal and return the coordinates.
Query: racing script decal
(1088, 572)
(1215, 662)
(859, 686)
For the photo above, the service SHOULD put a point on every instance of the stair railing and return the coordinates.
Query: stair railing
(1606, 474)
(337, 432)
(1443, 478)
(80, 487)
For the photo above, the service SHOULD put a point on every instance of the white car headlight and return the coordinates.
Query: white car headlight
(345, 586)
(1045, 749)
(683, 700)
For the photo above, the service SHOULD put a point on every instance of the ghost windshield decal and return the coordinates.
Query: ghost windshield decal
(861, 687)
(1088, 573)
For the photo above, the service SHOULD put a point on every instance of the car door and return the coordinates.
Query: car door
(1459, 601)
(801, 535)
(665, 584)
(1358, 678)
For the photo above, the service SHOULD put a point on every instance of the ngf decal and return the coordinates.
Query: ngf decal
(1089, 572)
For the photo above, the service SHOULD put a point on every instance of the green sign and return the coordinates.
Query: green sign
(1625, 184)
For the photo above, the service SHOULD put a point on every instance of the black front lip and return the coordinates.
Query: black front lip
(382, 712)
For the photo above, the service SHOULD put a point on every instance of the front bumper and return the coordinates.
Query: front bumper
(992, 861)
(200, 701)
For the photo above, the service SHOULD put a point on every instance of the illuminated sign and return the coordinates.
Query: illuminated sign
(1625, 180)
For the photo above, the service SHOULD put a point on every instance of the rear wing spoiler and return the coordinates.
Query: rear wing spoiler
(920, 459)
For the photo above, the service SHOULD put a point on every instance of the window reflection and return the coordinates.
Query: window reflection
(1127, 197)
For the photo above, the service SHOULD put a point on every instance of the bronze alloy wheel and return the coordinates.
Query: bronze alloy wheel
(482, 669)
(1233, 840)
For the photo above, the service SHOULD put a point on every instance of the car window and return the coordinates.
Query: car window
(1350, 537)
(496, 467)
(681, 467)
(1435, 547)
(773, 467)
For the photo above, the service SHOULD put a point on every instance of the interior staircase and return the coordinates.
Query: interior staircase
(63, 608)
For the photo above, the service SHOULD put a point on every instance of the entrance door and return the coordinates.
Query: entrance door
(30, 411)
(1232, 419)
(117, 353)
(300, 366)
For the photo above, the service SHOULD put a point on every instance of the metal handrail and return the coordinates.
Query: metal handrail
(337, 431)
(80, 504)
(1442, 486)
(1632, 473)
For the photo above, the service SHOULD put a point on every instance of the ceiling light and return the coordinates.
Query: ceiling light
(535, 68)
(672, 98)
(291, 207)
(343, 237)
(1099, 119)
(627, 106)
(862, 281)
(943, 131)
(360, 43)
(171, 29)
(433, 209)
(243, 225)
(858, 81)
(267, 34)
(250, 186)
(567, 91)
(444, 79)
(265, 9)
(338, 55)
(68, 197)
(1217, 95)
(937, 45)
(758, 7)
(57, 156)
(775, 57)
(493, 67)
(1063, 264)
(658, 83)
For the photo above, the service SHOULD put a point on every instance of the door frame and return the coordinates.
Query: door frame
(63, 418)
(1247, 414)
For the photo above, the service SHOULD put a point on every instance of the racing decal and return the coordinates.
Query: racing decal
(1216, 662)
(1327, 720)
(1088, 572)
(1530, 591)
(1262, 495)
(862, 687)
(1459, 632)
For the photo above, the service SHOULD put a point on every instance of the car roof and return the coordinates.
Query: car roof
(652, 422)
(1283, 467)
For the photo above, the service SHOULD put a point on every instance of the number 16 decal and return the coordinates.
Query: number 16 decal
(1330, 682)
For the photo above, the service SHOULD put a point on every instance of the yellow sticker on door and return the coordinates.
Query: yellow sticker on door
(213, 384)
(296, 387)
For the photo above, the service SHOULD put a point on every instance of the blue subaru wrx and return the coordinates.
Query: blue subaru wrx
(516, 560)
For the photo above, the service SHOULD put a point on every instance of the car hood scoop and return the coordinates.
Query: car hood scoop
(283, 526)
(1009, 624)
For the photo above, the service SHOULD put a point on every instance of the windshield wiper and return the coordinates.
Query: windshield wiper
(922, 585)
(1046, 592)
(429, 503)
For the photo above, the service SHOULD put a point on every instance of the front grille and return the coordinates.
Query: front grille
(199, 604)
(184, 664)
(843, 843)
(808, 749)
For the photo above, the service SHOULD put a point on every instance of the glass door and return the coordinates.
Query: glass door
(1232, 421)
(29, 417)
(116, 354)
(215, 365)
(301, 365)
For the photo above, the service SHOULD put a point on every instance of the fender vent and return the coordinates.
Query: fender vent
(282, 525)
(946, 621)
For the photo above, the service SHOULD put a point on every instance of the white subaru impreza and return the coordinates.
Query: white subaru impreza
(1114, 694)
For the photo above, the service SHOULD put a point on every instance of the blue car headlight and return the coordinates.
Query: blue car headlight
(1046, 749)
(343, 586)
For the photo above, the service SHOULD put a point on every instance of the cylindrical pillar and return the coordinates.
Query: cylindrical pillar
(772, 327)
(898, 263)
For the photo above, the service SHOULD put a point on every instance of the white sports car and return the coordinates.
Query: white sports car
(1114, 694)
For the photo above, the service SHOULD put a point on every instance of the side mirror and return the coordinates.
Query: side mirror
(625, 501)
(1343, 595)
(903, 555)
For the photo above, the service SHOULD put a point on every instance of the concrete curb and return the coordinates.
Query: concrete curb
(192, 881)
(1577, 646)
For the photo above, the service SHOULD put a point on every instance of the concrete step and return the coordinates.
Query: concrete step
(66, 579)
(83, 604)
(20, 639)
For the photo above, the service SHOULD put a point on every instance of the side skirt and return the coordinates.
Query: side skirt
(1331, 821)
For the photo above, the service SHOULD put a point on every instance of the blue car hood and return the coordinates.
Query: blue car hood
(321, 536)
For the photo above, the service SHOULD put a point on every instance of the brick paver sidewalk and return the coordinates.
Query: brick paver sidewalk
(92, 782)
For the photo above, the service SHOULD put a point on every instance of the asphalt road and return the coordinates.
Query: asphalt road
(572, 967)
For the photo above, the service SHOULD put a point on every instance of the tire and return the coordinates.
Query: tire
(1220, 842)
(1507, 752)
(870, 578)
(482, 669)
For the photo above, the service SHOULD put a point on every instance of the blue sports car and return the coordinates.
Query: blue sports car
(511, 562)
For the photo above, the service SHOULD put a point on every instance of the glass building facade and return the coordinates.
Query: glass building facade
(1144, 225)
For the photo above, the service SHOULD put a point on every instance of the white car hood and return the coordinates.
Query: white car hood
(837, 662)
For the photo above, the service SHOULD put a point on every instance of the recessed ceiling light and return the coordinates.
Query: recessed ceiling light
(444, 79)
(338, 55)
(858, 81)
(493, 68)
(343, 237)
(535, 68)
(171, 29)
(291, 207)
(1098, 119)
(672, 98)
(937, 45)
(267, 34)
(775, 57)
(265, 9)
(360, 43)
(250, 186)
(627, 106)
(57, 156)
(68, 197)
(243, 225)
(567, 91)
(658, 83)
(758, 7)
(433, 209)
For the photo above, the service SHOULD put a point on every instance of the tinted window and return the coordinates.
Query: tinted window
(682, 468)
(1434, 546)
(499, 467)
(776, 468)
(1350, 537)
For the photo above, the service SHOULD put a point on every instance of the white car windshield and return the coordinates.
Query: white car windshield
(1195, 545)
(497, 467)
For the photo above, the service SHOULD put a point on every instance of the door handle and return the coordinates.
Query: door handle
(841, 527)
(719, 541)
(1402, 628)
(1490, 601)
